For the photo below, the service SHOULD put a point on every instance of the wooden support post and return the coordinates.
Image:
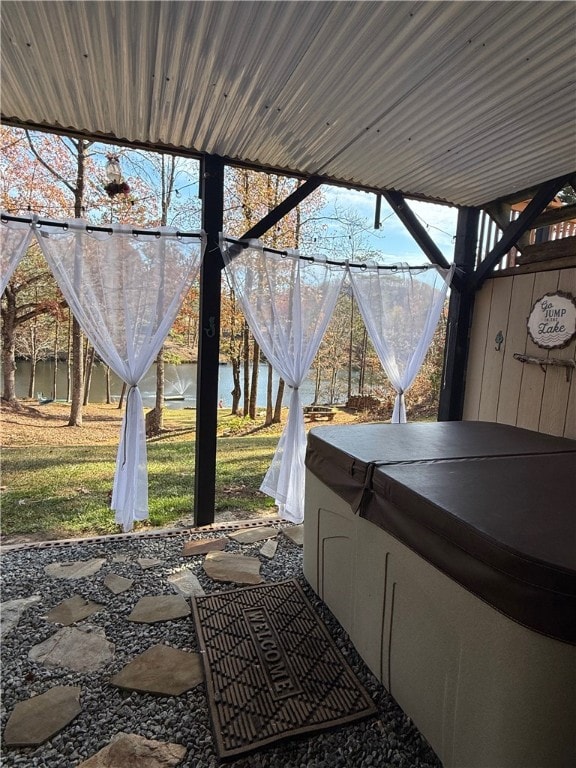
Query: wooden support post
(209, 337)
(460, 314)
(209, 341)
(406, 215)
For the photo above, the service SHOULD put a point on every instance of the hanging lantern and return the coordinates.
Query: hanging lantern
(116, 184)
(113, 173)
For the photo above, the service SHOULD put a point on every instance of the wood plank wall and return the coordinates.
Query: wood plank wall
(502, 389)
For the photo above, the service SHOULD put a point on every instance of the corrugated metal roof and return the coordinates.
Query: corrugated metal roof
(459, 101)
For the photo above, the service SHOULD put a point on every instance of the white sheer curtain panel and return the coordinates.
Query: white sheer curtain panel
(15, 239)
(400, 308)
(125, 291)
(287, 302)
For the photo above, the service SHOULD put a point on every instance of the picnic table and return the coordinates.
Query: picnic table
(314, 412)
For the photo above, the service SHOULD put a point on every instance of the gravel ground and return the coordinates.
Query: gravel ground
(387, 739)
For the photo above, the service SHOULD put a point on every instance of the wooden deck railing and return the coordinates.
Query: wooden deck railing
(552, 237)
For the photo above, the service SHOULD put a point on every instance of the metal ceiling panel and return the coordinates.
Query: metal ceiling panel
(459, 101)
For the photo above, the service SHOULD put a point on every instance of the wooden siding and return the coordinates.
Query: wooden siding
(500, 388)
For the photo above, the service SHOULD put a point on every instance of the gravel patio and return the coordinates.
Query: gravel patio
(148, 560)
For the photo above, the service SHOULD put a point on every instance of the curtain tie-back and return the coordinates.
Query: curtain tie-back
(131, 388)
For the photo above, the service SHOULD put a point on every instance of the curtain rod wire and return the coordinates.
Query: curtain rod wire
(343, 264)
(89, 227)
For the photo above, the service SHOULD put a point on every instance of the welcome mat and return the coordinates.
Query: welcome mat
(272, 669)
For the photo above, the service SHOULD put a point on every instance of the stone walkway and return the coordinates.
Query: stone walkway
(77, 645)
(101, 662)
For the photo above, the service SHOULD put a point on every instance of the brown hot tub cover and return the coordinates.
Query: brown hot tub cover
(490, 505)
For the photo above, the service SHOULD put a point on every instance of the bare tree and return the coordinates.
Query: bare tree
(30, 293)
(77, 189)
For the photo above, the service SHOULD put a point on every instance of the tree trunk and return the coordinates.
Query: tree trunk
(55, 369)
(246, 345)
(269, 411)
(236, 391)
(75, 419)
(155, 417)
(69, 360)
(362, 376)
(9, 370)
(9, 346)
(33, 357)
(32, 379)
(122, 396)
(333, 379)
(108, 389)
(277, 419)
(254, 382)
(317, 384)
(88, 374)
(160, 379)
(351, 343)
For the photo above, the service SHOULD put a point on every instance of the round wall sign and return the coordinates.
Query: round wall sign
(552, 320)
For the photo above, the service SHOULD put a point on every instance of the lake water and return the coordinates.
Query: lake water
(180, 380)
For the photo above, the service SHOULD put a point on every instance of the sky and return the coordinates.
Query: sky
(392, 241)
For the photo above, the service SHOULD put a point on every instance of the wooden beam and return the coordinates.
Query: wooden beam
(276, 214)
(538, 266)
(551, 249)
(283, 208)
(460, 312)
(500, 213)
(555, 216)
(209, 341)
(516, 229)
(527, 193)
(407, 216)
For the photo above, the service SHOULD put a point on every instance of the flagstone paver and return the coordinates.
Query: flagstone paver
(203, 546)
(75, 569)
(117, 584)
(186, 583)
(228, 566)
(121, 557)
(128, 750)
(148, 562)
(268, 549)
(35, 720)
(162, 670)
(11, 612)
(82, 649)
(295, 533)
(252, 535)
(73, 609)
(153, 608)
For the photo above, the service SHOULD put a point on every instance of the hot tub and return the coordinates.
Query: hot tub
(448, 553)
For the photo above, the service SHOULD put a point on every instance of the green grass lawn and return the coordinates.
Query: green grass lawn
(65, 491)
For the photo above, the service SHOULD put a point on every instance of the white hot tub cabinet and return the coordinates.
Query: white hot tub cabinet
(485, 689)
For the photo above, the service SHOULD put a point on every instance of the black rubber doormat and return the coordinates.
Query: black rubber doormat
(272, 669)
